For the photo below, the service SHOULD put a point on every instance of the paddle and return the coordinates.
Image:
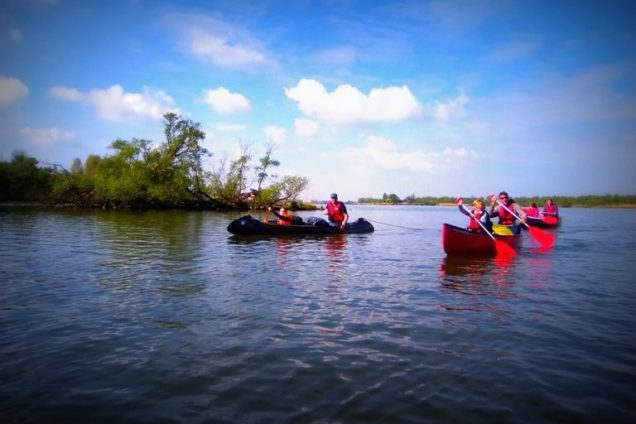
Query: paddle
(543, 238)
(501, 248)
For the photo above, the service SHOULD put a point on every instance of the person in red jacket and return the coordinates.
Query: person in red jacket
(505, 217)
(532, 211)
(337, 212)
(477, 213)
(551, 209)
(283, 216)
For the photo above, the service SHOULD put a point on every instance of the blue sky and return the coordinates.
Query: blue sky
(428, 98)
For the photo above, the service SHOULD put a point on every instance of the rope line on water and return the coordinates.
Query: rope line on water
(394, 225)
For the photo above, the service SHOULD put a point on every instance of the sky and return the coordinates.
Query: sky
(413, 97)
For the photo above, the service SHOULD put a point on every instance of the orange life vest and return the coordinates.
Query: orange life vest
(505, 217)
(335, 212)
(285, 218)
(473, 225)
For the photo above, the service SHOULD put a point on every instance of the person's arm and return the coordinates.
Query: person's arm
(494, 207)
(462, 209)
(345, 214)
(485, 219)
(519, 211)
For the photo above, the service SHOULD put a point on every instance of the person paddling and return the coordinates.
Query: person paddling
(477, 213)
(505, 217)
(283, 216)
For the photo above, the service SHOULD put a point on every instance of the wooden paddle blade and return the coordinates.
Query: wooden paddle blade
(504, 250)
(543, 238)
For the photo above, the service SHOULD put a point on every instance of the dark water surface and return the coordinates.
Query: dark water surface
(166, 317)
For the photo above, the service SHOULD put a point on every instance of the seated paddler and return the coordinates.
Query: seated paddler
(283, 217)
(477, 215)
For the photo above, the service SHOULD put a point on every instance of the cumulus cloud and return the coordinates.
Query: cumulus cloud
(45, 136)
(450, 109)
(12, 90)
(277, 134)
(224, 102)
(221, 51)
(114, 104)
(306, 127)
(348, 105)
(383, 154)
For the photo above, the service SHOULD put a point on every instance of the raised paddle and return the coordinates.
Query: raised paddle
(543, 238)
(502, 249)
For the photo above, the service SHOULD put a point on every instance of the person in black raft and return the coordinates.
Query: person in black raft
(337, 212)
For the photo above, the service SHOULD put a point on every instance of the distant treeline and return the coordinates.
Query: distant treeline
(141, 175)
(607, 200)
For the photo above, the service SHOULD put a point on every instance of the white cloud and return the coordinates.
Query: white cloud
(348, 105)
(225, 102)
(221, 51)
(45, 136)
(276, 134)
(381, 153)
(306, 127)
(450, 109)
(12, 90)
(114, 104)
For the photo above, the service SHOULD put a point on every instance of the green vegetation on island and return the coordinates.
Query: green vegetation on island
(138, 175)
(587, 201)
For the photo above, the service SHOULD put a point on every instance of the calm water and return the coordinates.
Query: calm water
(166, 317)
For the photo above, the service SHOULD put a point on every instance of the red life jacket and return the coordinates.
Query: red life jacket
(285, 218)
(505, 217)
(335, 212)
(473, 225)
(549, 210)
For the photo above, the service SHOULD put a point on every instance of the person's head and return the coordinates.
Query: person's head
(533, 204)
(503, 197)
(478, 204)
(550, 202)
(334, 197)
(282, 209)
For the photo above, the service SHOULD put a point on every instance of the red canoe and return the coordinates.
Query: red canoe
(543, 221)
(458, 241)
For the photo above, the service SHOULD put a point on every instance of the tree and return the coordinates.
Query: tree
(76, 166)
(229, 186)
(265, 163)
(23, 180)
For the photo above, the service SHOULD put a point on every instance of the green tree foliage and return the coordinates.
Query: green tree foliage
(139, 174)
(229, 185)
(266, 162)
(23, 180)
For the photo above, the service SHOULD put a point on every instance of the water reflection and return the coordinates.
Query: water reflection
(477, 276)
(334, 248)
(145, 250)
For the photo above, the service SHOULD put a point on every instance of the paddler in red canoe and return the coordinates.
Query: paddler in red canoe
(504, 213)
(478, 213)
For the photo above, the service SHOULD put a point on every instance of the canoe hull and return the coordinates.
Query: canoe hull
(543, 222)
(248, 225)
(458, 241)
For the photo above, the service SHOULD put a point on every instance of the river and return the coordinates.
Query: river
(163, 316)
